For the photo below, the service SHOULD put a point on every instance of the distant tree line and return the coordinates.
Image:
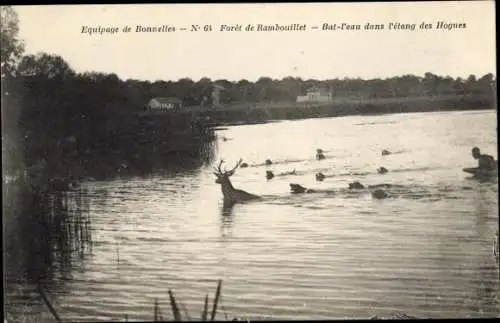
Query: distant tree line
(272, 90)
(51, 75)
(108, 91)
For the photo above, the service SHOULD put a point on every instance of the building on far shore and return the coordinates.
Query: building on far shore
(163, 104)
(316, 95)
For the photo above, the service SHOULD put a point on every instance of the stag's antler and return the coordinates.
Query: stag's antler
(217, 169)
(234, 168)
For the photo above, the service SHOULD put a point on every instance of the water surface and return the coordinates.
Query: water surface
(426, 252)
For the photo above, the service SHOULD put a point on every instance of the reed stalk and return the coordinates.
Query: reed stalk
(175, 308)
(47, 302)
(156, 310)
(204, 313)
(216, 300)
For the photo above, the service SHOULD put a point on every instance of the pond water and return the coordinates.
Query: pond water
(427, 251)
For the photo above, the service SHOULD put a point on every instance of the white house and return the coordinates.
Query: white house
(164, 104)
(316, 95)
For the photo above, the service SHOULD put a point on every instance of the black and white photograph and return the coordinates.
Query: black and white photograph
(249, 161)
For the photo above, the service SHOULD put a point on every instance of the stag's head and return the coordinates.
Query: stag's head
(223, 175)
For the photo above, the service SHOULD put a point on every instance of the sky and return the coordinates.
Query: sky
(235, 55)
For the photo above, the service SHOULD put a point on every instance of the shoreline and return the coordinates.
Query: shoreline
(261, 113)
(223, 126)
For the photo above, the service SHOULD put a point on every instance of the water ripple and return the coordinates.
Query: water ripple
(332, 255)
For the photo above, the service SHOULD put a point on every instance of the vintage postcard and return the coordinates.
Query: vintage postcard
(273, 161)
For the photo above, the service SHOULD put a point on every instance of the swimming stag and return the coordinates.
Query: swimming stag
(230, 194)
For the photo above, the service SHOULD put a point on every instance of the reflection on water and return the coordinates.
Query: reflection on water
(227, 211)
(337, 253)
(47, 235)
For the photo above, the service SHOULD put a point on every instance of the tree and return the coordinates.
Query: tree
(471, 79)
(242, 87)
(203, 90)
(291, 86)
(430, 83)
(183, 90)
(95, 77)
(11, 48)
(487, 78)
(45, 65)
(471, 85)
